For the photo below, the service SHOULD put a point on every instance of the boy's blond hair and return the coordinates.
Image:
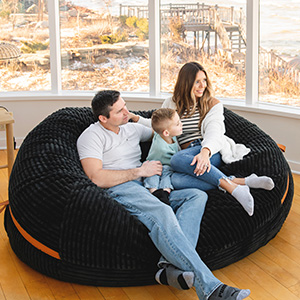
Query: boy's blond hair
(161, 118)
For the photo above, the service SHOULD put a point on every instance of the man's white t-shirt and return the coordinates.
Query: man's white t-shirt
(120, 151)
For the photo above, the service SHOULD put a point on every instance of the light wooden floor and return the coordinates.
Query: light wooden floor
(273, 272)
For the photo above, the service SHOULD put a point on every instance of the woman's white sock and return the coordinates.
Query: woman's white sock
(259, 182)
(242, 194)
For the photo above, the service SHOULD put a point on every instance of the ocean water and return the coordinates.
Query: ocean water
(279, 19)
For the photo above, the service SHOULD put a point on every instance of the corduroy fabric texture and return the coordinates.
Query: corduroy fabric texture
(98, 241)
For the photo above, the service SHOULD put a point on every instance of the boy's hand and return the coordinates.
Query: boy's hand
(133, 117)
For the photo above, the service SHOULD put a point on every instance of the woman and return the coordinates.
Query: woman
(204, 142)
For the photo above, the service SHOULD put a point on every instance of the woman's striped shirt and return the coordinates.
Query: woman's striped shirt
(190, 129)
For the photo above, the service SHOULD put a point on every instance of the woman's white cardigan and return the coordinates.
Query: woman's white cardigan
(213, 133)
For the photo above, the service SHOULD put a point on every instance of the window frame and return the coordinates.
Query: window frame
(250, 103)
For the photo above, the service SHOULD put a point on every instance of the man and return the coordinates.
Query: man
(110, 156)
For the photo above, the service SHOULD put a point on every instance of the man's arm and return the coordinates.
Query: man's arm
(108, 178)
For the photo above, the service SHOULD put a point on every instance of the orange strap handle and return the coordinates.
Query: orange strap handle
(33, 241)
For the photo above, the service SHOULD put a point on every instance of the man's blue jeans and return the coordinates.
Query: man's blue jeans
(184, 177)
(173, 229)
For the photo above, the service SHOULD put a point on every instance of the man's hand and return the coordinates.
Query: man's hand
(108, 178)
(150, 168)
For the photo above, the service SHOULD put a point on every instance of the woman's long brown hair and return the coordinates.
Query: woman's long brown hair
(185, 101)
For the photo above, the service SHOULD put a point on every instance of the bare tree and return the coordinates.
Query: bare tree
(41, 5)
(12, 8)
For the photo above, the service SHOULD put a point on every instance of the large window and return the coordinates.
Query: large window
(24, 27)
(279, 59)
(139, 46)
(214, 34)
(104, 45)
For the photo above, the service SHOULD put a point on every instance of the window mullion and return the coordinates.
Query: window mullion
(55, 57)
(252, 58)
(154, 47)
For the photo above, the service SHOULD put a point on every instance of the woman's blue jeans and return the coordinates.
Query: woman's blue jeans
(184, 177)
(173, 229)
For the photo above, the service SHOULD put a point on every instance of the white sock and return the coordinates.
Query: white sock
(242, 194)
(259, 182)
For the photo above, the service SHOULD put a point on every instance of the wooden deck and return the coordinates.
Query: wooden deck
(213, 25)
(272, 272)
(199, 17)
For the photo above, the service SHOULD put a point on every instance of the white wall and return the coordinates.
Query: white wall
(284, 130)
(29, 113)
(283, 127)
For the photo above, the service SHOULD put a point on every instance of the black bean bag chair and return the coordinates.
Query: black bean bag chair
(62, 225)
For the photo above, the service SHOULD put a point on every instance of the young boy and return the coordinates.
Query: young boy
(167, 125)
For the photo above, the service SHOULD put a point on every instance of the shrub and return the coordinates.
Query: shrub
(143, 25)
(114, 38)
(140, 26)
(4, 14)
(131, 22)
(32, 47)
(141, 35)
(176, 28)
(123, 19)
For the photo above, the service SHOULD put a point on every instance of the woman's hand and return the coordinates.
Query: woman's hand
(202, 162)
